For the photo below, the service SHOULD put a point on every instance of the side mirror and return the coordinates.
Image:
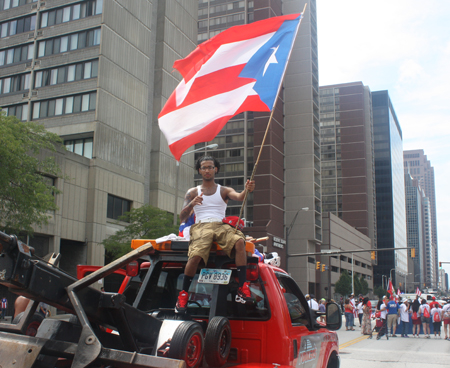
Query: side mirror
(334, 318)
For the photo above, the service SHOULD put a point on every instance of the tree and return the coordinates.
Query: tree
(145, 222)
(26, 193)
(364, 286)
(380, 291)
(343, 286)
(357, 285)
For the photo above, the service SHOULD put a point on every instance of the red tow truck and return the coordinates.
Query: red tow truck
(276, 329)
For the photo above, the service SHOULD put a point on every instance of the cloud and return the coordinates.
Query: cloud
(402, 46)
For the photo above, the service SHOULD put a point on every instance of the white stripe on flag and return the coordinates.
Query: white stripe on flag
(180, 123)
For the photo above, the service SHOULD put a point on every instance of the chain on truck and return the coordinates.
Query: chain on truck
(138, 326)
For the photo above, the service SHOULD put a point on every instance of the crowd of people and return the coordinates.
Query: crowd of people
(391, 314)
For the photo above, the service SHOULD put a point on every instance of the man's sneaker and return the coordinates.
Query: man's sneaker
(181, 305)
(243, 294)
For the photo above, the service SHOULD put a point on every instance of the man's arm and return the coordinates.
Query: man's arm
(235, 196)
(190, 200)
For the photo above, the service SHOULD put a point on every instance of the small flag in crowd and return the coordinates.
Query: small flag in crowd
(240, 69)
(390, 289)
(418, 292)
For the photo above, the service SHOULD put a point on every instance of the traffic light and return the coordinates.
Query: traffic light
(400, 284)
(413, 253)
(323, 267)
(440, 264)
(372, 254)
(317, 265)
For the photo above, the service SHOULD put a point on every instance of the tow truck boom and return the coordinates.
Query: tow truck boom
(41, 281)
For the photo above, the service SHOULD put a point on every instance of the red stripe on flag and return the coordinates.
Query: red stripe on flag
(212, 84)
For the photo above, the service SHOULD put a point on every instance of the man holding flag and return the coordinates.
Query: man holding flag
(240, 69)
(209, 202)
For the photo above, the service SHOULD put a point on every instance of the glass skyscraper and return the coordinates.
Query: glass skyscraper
(390, 189)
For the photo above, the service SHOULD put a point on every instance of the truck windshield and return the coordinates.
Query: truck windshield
(166, 282)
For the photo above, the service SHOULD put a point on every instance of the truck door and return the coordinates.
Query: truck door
(305, 346)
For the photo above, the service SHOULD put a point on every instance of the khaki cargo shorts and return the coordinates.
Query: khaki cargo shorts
(392, 320)
(204, 234)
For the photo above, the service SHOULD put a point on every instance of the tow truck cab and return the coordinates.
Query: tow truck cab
(278, 327)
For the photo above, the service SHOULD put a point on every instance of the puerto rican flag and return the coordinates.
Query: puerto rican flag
(240, 69)
(390, 289)
(418, 292)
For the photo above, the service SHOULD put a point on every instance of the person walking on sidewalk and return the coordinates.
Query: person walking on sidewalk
(366, 326)
(209, 202)
(359, 307)
(392, 307)
(436, 317)
(404, 317)
(4, 305)
(348, 309)
(425, 318)
(446, 319)
(383, 316)
(415, 316)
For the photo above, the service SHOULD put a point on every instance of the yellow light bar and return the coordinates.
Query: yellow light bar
(164, 246)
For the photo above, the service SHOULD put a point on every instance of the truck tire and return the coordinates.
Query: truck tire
(217, 341)
(187, 344)
(34, 324)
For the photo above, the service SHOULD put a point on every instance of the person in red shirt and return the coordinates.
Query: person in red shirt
(348, 309)
(434, 303)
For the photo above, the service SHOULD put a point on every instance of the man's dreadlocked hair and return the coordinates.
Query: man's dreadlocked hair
(198, 163)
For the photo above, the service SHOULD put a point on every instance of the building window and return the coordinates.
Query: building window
(72, 12)
(82, 146)
(64, 74)
(19, 111)
(71, 42)
(16, 83)
(16, 26)
(117, 207)
(16, 55)
(8, 4)
(64, 106)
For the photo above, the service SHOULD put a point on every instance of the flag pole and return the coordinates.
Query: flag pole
(268, 124)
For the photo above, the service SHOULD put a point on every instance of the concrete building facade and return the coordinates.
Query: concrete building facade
(347, 165)
(339, 235)
(87, 71)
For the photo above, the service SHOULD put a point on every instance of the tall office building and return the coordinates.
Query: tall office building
(288, 173)
(431, 269)
(419, 167)
(87, 70)
(415, 231)
(348, 177)
(390, 190)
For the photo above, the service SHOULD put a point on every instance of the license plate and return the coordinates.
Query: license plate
(214, 276)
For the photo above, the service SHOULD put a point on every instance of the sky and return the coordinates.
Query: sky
(402, 46)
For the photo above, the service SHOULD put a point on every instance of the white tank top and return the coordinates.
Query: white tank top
(213, 206)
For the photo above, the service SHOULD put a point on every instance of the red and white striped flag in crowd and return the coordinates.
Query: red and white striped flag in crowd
(390, 289)
(398, 291)
(240, 69)
(418, 292)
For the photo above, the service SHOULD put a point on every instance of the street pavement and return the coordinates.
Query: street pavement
(357, 350)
